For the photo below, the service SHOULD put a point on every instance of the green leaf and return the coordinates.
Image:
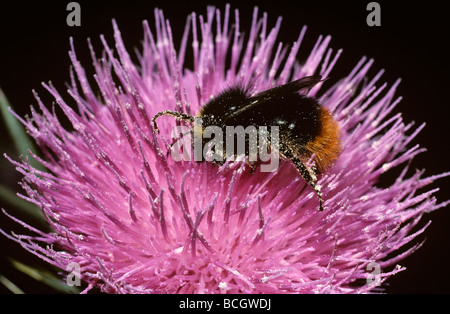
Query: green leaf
(22, 144)
(45, 277)
(17, 132)
(28, 209)
(10, 285)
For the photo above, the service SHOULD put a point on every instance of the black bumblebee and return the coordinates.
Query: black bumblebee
(305, 127)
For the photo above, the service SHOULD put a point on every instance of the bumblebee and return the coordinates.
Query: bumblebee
(306, 128)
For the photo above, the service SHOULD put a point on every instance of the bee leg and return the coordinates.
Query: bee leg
(175, 114)
(175, 140)
(303, 189)
(217, 162)
(309, 176)
(252, 168)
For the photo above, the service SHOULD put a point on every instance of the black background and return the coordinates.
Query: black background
(411, 43)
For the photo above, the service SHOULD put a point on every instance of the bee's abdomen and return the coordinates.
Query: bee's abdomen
(326, 145)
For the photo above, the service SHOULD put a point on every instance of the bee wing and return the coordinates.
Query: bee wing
(306, 82)
(276, 92)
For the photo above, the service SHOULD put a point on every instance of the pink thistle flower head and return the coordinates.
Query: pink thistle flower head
(137, 221)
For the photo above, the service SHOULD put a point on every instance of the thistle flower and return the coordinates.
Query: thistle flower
(137, 221)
